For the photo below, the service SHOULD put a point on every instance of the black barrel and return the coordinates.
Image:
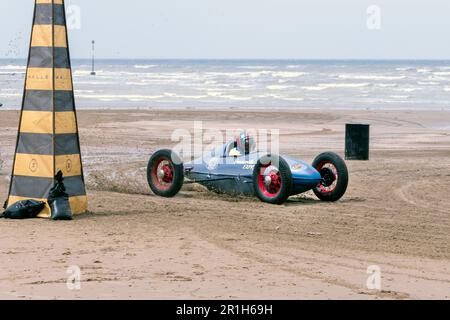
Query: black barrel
(357, 138)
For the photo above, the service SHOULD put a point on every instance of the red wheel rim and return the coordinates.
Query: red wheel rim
(269, 181)
(330, 177)
(163, 173)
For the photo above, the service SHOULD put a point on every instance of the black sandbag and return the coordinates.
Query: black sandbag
(59, 200)
(25, 209)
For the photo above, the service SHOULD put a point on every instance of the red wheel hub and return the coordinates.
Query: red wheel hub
(329, 174)
(269, 181)
(167, 174)
(163, 174)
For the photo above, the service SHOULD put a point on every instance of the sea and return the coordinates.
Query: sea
(247, 84)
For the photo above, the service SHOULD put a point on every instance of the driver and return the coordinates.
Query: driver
(244, 144)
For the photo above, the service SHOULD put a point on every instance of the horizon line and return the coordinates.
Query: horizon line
(252, 59)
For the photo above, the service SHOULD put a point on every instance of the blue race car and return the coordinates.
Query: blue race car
(236, 169)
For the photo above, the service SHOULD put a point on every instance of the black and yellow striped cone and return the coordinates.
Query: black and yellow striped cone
(48, 133)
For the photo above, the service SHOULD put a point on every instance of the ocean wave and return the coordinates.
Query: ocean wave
(218, 88)
(115, 97)
(387, 85)
(95, 83)
(288, 74)
(236, 98)
(145, 76)
(10, 95)
(268, 96)
(80, 73)
(224, 87)
(399, 97)
(159, 81)
(175, 76)
(255, 74)
(278, 87)
(188, 97)
(293, 99)
(13, 67)
(246, 86)
(441, 73)
(130, 83)
(11, 73)
(108, 100)
(438, 78)
(405, 69)
(314, 88)
(257, 67)
(215, 94)
(407, 89)
(370, 77)
(428, 83)
(167, 75)
(221, 95)
(146, 66)
(324, 86)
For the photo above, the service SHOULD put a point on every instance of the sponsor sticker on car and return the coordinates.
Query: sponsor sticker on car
(297, 167)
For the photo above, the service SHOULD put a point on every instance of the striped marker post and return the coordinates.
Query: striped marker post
(48, 132)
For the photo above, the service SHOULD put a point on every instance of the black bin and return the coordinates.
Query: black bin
(357, 138)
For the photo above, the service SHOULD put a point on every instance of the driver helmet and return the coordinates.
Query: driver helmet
(245, 143)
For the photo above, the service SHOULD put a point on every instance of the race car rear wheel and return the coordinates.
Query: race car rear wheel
(334, 174)
(165, 173)
(272, 179)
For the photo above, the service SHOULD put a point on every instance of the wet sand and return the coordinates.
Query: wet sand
(199, 245)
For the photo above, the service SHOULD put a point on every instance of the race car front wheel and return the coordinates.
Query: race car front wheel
(272, 179)
(165, 173)
(334, 174)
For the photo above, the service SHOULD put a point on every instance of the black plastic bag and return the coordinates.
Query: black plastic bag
(59, 200)
(25, 209)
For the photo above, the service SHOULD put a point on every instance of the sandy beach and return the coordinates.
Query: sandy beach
(200, 245)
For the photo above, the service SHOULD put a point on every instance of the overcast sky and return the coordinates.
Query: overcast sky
(232, 29)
